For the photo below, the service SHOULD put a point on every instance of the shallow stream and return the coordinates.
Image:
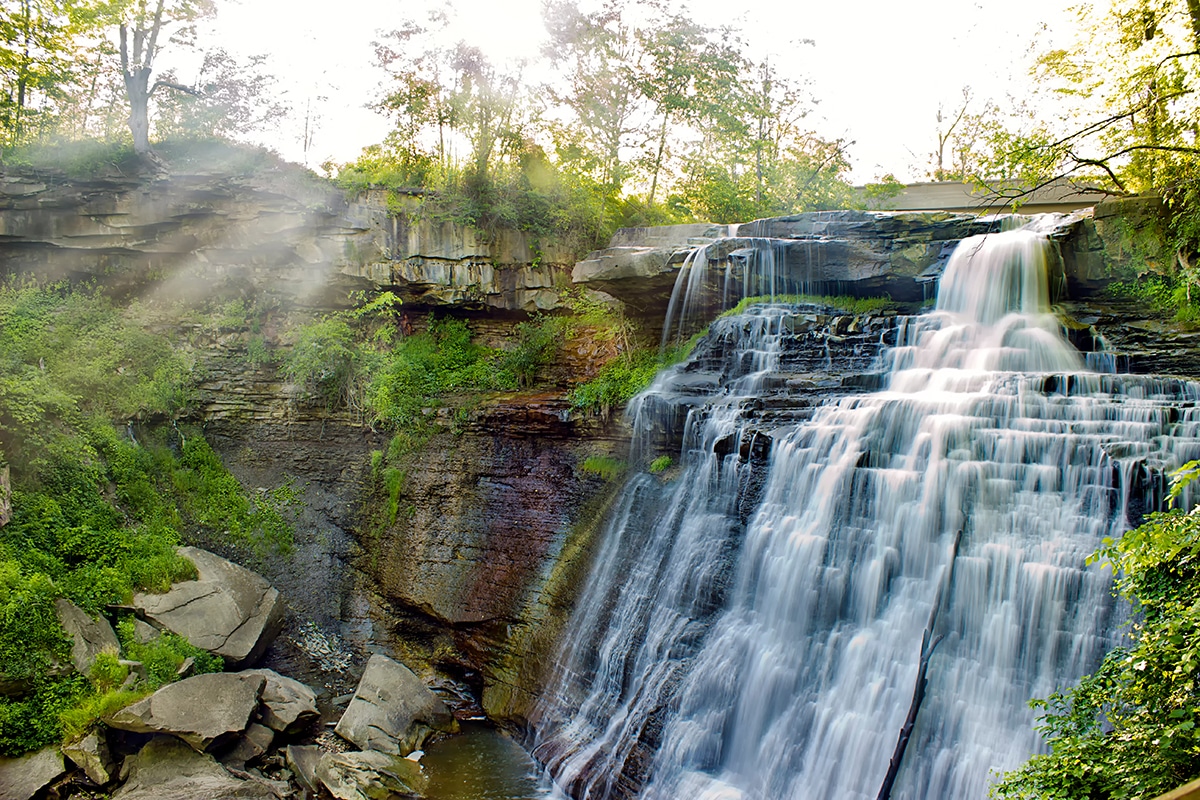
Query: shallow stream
(482, 763)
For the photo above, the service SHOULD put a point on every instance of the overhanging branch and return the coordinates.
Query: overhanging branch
(179, 87)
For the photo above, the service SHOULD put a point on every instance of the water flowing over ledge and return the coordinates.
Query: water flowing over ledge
(755, 627)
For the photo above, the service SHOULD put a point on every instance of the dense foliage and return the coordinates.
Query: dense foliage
(1116, 110)
(651, 118)
(97, 508)
(74, 69)
(1129, 730)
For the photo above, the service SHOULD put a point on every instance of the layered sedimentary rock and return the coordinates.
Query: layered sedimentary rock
(472, 578)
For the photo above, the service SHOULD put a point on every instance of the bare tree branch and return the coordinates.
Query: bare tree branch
(179, 87)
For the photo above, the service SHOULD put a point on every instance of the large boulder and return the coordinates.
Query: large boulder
(287, 704)
(90, 637)
(370, 775)
(21, 778)
(228, 610)
(91, 754)
(392, 711)
(252, 744)
(167, 769)
(204, 711)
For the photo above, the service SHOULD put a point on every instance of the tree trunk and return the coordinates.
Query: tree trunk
(662, 144)
(138, 90)
(135, 69)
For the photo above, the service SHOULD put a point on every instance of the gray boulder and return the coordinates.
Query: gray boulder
(167, 769)
(228, 610)
(204, 711)
(21, 778)
(370, 775)
(392, 711)
(90, 637)
(144, 632)
(287, 704)
(302, 760)
(91, 754)
(255, 742)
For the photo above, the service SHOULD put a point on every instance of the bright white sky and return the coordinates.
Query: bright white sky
(880, 68)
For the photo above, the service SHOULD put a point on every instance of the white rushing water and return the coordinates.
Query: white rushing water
(771, 651)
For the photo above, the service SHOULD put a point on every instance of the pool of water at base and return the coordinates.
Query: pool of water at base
(481, 763)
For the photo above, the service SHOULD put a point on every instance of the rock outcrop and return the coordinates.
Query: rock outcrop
(369, 775)
(89, 637)
(392, 710)
(91, 754)
(287, 704)
(204, 711)
(821, 252)
(274, 227)
(228, 610)
(167, 769)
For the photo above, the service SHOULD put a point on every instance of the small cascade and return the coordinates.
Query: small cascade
(754, 626)
(754, 267)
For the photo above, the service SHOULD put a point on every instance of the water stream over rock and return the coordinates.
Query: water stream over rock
(757, 623)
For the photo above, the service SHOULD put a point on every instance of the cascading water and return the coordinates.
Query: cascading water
(756, 628)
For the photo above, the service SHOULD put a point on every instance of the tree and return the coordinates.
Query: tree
(687, 69)
(1132, 121)
(140, 26)
(448, 96)
(230, 98)
(38, 48)
(601, 61)
(755, 159)
(484, 106)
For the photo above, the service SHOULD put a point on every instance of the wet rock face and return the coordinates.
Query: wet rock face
(474, 567)
(826, 252)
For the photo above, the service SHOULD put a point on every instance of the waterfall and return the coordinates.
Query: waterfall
(753, 627)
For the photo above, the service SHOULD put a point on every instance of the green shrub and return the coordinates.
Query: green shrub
(628, 374)
(538, 342)
(163, 655)
(161, 658)
(35, 721)
(424, 367)
(327, 363)
(79, 718)
(1162, 296)
(660, 465)
(97, 509)
(213, 499)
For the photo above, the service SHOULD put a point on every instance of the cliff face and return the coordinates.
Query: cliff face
(474, 576)
(460, 583)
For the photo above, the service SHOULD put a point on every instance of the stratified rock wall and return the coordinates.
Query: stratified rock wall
(474, 577)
